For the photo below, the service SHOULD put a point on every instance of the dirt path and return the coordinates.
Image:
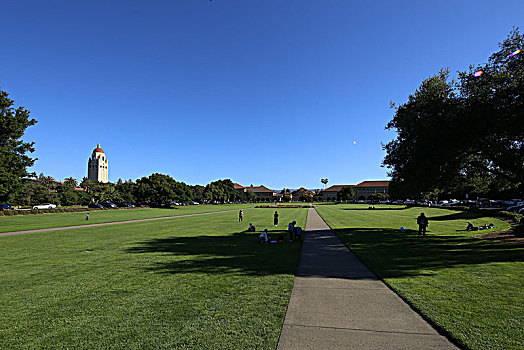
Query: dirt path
(113, 223)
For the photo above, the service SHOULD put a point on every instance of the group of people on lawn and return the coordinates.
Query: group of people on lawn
(423, 223)
(295, 232)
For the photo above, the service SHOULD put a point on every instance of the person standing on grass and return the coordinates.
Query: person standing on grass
(275, 218)
(87, 216)
(240, 216)
(423, 223)
(291, 229)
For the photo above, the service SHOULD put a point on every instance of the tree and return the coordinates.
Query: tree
(71, 182)
(378, 196)
(14, 160)
(346, 193)
(465, 136)
(307, 197)
(198, 193)
(33, 193)
(251, 196)
(126, 191)
(324, 181)
(68, 195)
(220, 190)
(161, 189)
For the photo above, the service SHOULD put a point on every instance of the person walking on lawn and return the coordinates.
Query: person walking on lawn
(423, 223)
(240, 216)
(275, 218)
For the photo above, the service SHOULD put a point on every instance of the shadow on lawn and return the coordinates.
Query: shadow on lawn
(391, 253)
(239, 253)
(463, 215)
(396, 208)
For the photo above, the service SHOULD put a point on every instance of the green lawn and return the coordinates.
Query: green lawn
(38, 221)
(184, 283)
(472, 289)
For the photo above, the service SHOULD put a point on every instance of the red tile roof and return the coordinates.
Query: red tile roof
(382, 183)
(237, 186)
(336, 188)
(259, 189)
(98, 149)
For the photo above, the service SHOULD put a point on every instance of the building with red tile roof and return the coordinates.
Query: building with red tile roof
(363, 190)
(330, 194)
(382, 183)
(263, 193)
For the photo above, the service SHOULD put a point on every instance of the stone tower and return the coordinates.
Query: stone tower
(97, 166)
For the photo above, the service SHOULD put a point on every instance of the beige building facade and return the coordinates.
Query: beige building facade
(263, 193)
(363, 190)
(97, 166)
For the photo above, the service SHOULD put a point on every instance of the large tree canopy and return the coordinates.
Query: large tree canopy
(462, 136)
(14, 160)
(220, 190)
(161, 189)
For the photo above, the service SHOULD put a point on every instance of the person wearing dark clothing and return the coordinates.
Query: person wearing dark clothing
(275, 218)
(291, 229)
(423, 223)
(240, 216)
(298, 233)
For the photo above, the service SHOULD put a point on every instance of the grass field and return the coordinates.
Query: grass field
(472, 289)
(38, 221)
(184, 283)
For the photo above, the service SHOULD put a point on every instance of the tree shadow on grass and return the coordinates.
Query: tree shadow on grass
(239, 253)
(391, 253)
(396, 208)
(463, 215)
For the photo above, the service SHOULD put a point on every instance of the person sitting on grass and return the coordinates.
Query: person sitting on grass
(251, 228)
(263, 238)
(298, 233)
(470, 227)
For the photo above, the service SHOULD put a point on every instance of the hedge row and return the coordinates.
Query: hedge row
(282, 206)
(519, 230)
(47, 211)
(515, 217)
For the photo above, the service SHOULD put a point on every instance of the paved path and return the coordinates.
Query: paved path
(338, 303)
(113, 223)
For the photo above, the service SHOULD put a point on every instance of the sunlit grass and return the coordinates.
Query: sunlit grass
(194, 282)
(39, 221)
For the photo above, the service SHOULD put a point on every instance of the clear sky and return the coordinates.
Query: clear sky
(266, 92)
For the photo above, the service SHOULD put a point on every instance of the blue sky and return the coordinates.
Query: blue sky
(262, 92)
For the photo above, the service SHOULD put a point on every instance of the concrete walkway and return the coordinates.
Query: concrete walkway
(113, 223)
(338, 303)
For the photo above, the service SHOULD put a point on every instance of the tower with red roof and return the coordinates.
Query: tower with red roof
(97, 166)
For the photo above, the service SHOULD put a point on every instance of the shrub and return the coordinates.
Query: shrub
(516, 217)
(519, 230)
